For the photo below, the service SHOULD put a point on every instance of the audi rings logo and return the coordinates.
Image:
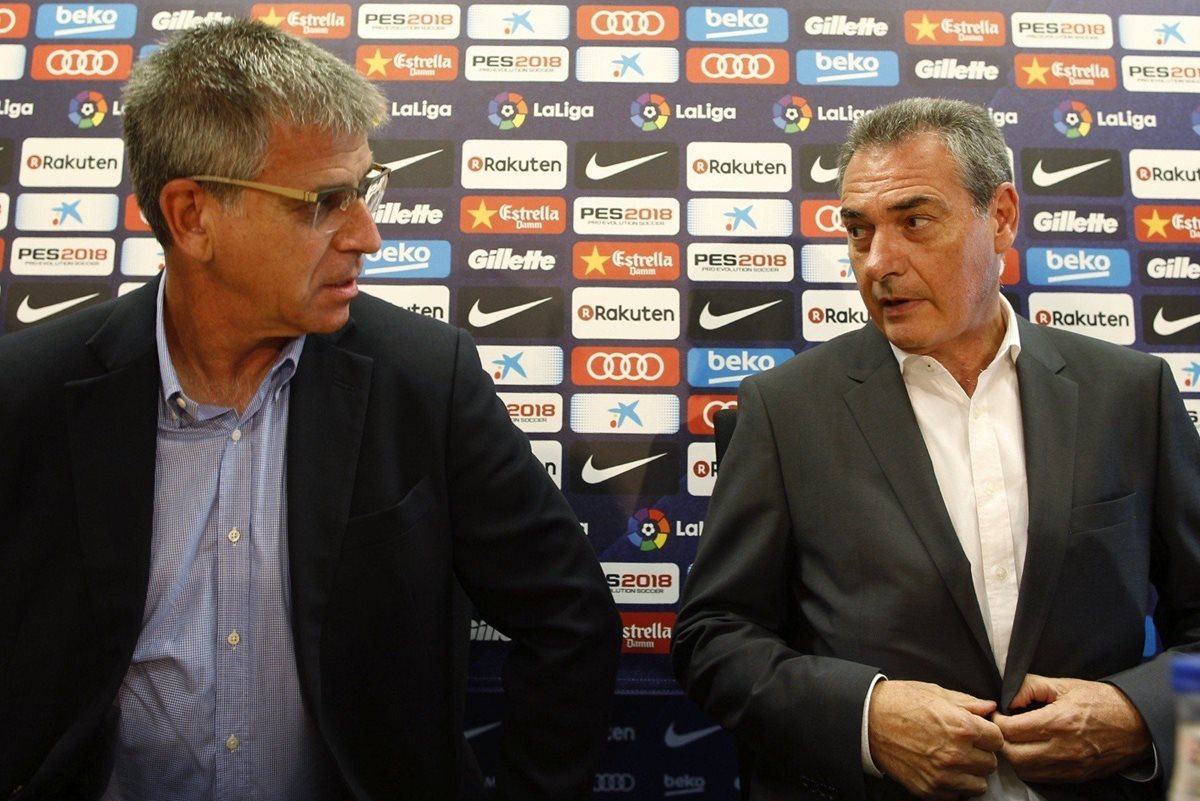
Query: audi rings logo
(8, 21)
(628, 23)
(738, 65)
(614, 783)
(67, 63)
(714, 406)
(605, 366)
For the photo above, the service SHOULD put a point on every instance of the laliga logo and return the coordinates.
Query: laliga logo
(628, 23)
(650, 112)
(1073, 119)
(737, 65)
(87, 109)
(792, 114)
(648, 529)
(507, 111)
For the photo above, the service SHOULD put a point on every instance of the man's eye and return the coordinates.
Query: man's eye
(337, 201)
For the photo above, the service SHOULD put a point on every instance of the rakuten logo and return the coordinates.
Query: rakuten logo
(550, 454)
(739, 167)
(527, 164)
(701, 469)
(831, 312)
(625, 313)
(71, 162)
(429, 301)
(1167, 174)
(1107, 316)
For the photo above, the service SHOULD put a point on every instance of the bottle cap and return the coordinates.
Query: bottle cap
(1185, 673)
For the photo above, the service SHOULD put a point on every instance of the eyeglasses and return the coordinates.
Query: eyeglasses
(330, 206)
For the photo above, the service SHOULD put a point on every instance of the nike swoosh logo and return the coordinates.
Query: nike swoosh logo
(711, 322)
(1044, 178)
(470, 733)
(598, 172)
(400, 164)
(675, 740)
(822, 174)
(482, 319)
(29, 314)
(594, 475)
(1164, 327)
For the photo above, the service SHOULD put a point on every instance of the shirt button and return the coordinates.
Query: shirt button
(181, 403)
(233, 742)
(236, 435)
(234, 535)
(1000, 573)
(234, 638)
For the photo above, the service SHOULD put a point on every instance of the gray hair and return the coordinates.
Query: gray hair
(967, 131)
(205, 103)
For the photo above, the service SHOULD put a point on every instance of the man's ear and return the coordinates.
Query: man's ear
(188, 209)
(1006, 213)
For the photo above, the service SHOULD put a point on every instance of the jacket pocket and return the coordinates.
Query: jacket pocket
(391, 523)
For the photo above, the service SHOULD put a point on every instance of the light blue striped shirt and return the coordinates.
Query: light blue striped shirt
(210, 706)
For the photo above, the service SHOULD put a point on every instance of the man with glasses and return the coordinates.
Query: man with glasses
(243, 507)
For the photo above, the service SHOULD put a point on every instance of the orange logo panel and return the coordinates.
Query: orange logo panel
(700, 411)
(407, 63)
(14, 20)
(712, 65)
(628, 23)
(1167, 223)
(615, 366)
(73, 62)
(822, 218)
(961, 28)
(1062, 71)
(310, 20)
(478, 214)
(625, 261)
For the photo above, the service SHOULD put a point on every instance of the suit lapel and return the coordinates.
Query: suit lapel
(327, 414)
(1049, 411)
(113, 430)
(880, 406)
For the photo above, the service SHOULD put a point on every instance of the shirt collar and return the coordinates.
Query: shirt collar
(172, 391)
(1010, 345)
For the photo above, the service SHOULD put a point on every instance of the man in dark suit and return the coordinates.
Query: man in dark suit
(933, 542)
(242, 509)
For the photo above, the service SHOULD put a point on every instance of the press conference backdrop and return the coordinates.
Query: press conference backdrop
(631, 208)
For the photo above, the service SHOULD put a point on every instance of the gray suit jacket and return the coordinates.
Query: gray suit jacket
(828, 555)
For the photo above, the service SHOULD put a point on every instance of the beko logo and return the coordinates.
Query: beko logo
(739, 166)
(408, 260)
(724, 368)
(842, 25)
(731, 24)
(848, 67)
(1095, 267)
(86, 21)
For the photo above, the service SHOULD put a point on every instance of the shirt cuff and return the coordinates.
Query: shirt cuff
(868, 764)
(1144, 771)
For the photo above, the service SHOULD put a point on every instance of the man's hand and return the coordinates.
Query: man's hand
(1086, 730)
(936, 742)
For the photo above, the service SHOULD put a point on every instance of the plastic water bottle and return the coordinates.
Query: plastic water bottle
(1185, 678)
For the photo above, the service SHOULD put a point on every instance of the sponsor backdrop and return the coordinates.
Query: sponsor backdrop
(631, 207)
